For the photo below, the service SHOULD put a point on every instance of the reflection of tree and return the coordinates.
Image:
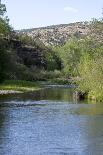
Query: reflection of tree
(62, 94)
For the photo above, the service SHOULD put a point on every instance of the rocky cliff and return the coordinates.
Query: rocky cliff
(30, 56)
(57, 34)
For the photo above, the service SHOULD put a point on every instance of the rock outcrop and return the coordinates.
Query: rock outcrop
(28, 55)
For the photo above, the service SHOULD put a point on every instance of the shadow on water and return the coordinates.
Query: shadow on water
(50, 122)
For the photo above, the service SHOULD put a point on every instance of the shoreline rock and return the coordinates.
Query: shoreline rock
(4, 92)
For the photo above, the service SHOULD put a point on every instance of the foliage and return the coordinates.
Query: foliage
(91, 74)
(12, 66)
(2, 9)
(70, 55)
(53, 61)
(80, 57)
(4, 28)
(4, 54)
(83, 57)
(4, 21)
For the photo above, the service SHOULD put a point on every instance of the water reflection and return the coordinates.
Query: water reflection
(49, 123)
(61, 94)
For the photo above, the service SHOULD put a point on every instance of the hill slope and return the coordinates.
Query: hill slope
(57, 34)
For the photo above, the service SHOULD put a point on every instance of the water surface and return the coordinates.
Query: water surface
(50, 122)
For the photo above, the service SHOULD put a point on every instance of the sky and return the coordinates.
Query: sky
(25, 14)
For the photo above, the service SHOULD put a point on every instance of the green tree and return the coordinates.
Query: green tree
(70, 55)
(4, 32)
(4, 21)
(2, 9)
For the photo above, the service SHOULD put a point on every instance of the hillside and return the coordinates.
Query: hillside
(57, 34)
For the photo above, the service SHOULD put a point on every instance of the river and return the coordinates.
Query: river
(50, 122)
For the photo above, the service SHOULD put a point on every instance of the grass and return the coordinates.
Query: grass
(27, 86)
(19, 85)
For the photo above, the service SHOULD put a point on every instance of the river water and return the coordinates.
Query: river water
(50, 122)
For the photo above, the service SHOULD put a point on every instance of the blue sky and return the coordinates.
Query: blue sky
(37, 13)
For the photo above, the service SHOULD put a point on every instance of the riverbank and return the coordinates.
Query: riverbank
(17, 86)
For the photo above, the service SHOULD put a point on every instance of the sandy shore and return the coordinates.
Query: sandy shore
(3, 92)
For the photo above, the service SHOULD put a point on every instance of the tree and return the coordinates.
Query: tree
(4, 21)
(4, 32)
(70, 55)
(2, 9)
(91, 62)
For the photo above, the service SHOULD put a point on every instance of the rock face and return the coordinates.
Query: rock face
(28, 55)
(31, 57)
(57, 34)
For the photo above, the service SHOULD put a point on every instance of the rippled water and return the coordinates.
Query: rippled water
(50, 122)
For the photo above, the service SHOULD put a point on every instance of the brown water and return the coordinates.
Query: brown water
(50, 122)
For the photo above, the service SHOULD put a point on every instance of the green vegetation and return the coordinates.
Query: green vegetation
(83, 59)
(70, 55)
(4, 21)
(27, 59)
(18, 85)
(4, 31)
(23, 58)
(91, 64)
(91, 72)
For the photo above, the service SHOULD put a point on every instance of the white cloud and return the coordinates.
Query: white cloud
(70, 9)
